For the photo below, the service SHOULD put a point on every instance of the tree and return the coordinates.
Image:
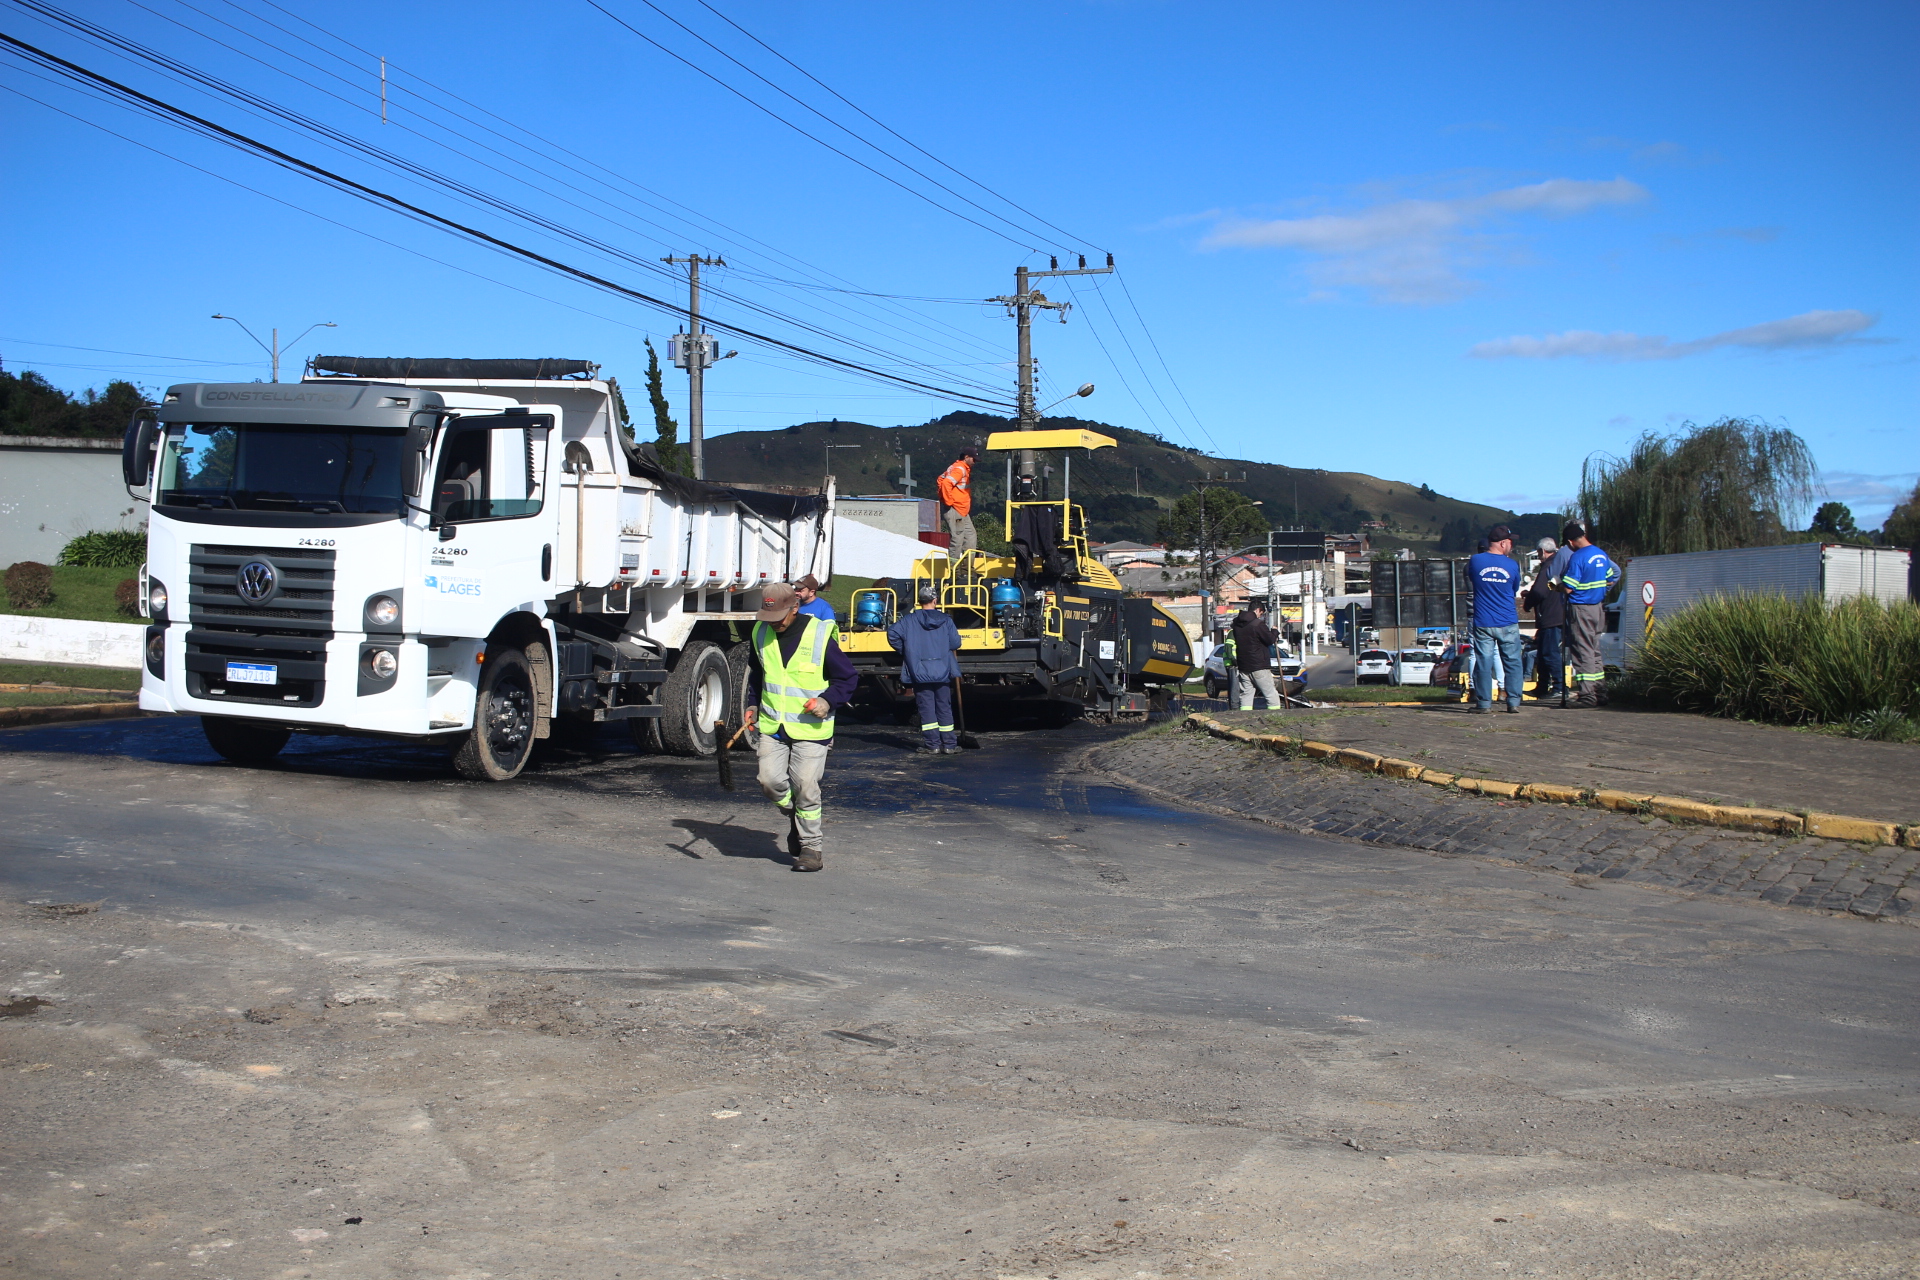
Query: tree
(1835, 520)
(1231, 521)
(32, 406)
(1736, 483)
(1903, 524)
(673, 455)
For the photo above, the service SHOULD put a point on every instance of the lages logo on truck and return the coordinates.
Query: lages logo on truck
(446, 586)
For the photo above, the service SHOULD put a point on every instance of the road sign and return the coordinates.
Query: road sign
(1647, 593)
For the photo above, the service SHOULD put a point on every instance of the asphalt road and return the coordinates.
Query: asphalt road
(1026, 1023)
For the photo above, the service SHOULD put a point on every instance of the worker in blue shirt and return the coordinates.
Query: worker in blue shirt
(1496, 623)
(808, 592)
(1588, 577)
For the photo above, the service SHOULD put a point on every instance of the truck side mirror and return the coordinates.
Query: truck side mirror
(137, 448)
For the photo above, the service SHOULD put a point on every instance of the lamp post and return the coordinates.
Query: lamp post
(274, 350)
(829, 454)
(1086, 389)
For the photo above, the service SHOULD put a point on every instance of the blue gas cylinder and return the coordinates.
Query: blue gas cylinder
(870, 609)
(1006, 594)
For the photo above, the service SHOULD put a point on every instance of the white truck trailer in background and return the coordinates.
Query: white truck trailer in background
(1832, 571)
(462, 552)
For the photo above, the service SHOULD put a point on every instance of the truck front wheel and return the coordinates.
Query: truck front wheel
(694, 695)
(244, 741)
(497, 746)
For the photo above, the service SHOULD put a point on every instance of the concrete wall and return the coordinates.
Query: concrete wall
(51, 491)
(91, 644)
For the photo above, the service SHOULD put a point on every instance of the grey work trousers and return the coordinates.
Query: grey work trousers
(961, 530)
(790, 775)
(1260, 682)
(1585, 622)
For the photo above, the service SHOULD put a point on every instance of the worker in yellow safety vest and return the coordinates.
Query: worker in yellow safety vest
(800, 681)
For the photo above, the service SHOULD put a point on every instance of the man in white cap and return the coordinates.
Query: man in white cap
(800, 680)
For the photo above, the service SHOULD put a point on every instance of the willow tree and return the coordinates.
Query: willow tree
(1736, 483)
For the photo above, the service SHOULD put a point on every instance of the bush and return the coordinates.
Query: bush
(127, 596)
(29, 585)
(106, 549)
(1762, 657)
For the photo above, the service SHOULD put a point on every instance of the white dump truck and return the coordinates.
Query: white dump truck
(461, 552)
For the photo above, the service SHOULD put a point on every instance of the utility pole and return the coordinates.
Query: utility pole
(1206, 585)
(1021, 306)
(695, 352)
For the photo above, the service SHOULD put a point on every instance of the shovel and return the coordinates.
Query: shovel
(965, 739)
(723, 758)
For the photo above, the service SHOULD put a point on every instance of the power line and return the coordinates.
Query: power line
(1163, 361)
(884, 177)
(468, 194)
(916, 146)
(242, 142)
(145, 355)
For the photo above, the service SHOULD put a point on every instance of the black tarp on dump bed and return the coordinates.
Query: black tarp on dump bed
(381, 367)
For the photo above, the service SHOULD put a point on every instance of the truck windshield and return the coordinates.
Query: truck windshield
(257, 467)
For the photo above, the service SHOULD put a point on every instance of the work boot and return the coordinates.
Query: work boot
(1476, 711)
(807, 860)
(1511, 709)
(929, 751)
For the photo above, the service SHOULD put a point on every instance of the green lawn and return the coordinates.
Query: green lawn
(56, 699)
(86, 594)
(124, 678)
(1381, 693)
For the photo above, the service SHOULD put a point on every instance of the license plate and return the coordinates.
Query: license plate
(252, 673)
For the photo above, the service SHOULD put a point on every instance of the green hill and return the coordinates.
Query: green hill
(1124, 489)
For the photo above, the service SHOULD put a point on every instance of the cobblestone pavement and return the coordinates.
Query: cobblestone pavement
(1877, 881)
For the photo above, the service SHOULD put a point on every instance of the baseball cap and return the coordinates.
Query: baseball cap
(1499, 533)
(776, 602)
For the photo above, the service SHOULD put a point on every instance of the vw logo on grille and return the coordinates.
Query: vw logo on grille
(256, 581)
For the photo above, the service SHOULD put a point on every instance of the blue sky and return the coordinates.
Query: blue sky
(1467, 247)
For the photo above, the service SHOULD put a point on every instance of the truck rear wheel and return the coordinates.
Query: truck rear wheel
(739, 688)
(497, 746)
(695, 695)
(244, 741)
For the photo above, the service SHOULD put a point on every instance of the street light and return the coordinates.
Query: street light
(1086, 389)
(274, 350)
(829, 454)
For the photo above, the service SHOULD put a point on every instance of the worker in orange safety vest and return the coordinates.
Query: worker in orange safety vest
(956, 495)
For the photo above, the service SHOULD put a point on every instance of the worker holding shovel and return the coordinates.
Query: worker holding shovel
(800, 681)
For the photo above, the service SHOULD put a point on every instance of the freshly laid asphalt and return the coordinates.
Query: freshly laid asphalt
(1165, 1001)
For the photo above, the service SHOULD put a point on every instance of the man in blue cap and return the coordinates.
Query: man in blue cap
(1496, 622)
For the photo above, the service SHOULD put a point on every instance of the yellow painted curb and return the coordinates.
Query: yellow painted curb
(21, 717)
(1833, 826)
(1623, 801)
(1830, 826)
(1364, 761)
(1774, 820)
(1686, 810)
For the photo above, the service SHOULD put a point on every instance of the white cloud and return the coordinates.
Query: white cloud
(1411, 251)
(1808, 329)
(1871, 497)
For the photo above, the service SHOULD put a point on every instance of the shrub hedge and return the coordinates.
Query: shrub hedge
(29, 585)
(106, 549)
(1766, 657)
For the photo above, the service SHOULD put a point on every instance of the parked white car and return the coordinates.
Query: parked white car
(1413, 666)
(1373, 664)
(1214, 671)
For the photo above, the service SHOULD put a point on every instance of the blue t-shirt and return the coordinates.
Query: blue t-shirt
(1496, 581)
(818, 608)
(1589, 573)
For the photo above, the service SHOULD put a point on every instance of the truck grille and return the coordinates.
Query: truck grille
(289, 630)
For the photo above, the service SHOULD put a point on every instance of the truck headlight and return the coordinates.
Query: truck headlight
(382, 663)
(156, 600)
(383, 611)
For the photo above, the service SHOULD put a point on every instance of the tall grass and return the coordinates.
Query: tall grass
(1765, 657)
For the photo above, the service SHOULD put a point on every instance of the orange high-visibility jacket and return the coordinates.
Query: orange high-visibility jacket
(956, 486)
